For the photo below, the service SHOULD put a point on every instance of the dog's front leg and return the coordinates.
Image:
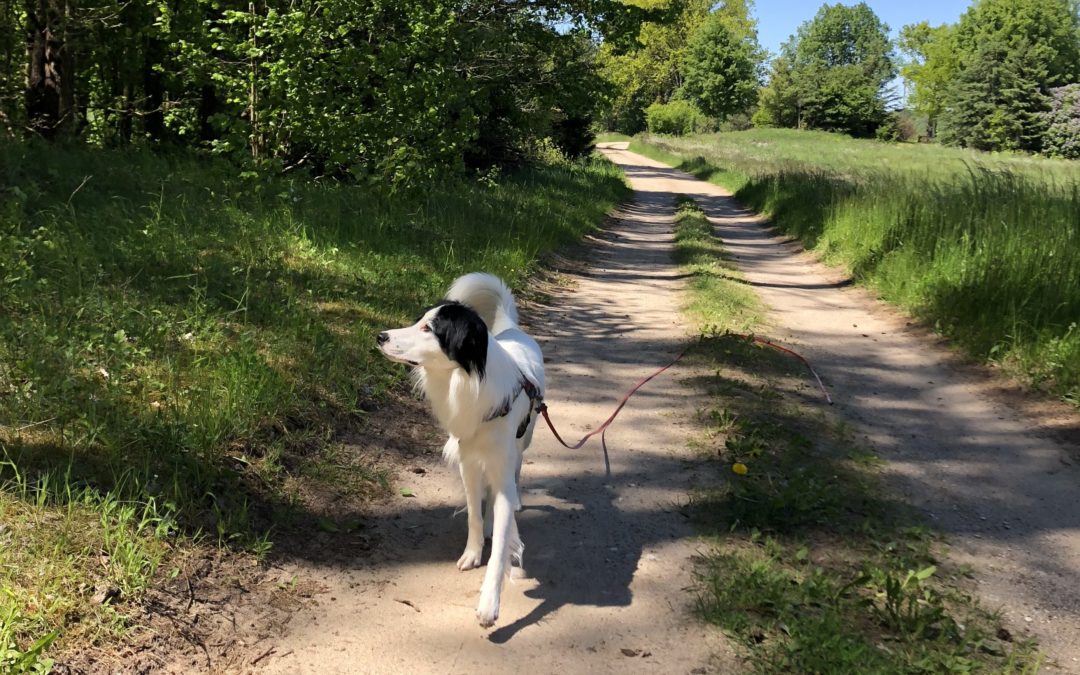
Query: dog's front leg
(473, 479)
(503, 538)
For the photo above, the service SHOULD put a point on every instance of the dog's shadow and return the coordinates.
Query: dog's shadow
(580, 547)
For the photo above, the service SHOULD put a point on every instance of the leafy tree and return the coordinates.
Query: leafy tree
(1010, 53)
(931, 65)
(1049, 29)
(997, 102)
(721, 66)
(842, 60)
(839, 99)
(778, 100)
(381, 90)
(647, 71)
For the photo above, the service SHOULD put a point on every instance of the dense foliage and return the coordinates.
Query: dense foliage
(929, 69)
(721, 68)
(1008, 55)
(393, 90)
(832, 74)
(687, 49)
(1062, 138)
(676, 117)
(985, 82)
(996, 99)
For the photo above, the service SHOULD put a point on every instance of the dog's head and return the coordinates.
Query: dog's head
(447, 336)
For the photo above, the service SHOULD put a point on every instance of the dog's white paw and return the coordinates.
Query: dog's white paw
(470, 559)
(487, 613)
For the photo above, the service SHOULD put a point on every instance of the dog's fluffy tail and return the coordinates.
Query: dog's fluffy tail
(490, 297)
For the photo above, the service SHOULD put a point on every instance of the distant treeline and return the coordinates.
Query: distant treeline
(1004, 77)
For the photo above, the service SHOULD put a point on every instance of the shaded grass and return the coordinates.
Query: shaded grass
(611, 136)
(182, 343)
(716, 304)
(985, 248)
(813, 566)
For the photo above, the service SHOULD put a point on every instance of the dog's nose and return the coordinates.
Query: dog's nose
(382, 338)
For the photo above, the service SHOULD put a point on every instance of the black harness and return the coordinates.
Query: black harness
(536, 402)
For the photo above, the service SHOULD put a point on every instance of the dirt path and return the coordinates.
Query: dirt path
(607, 557)
(1007, 494)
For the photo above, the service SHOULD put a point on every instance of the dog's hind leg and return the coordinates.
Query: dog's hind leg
(517, 547)
(473, 479)
(517, 480)
(504, 540)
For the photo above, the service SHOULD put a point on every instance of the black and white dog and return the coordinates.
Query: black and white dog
(484, 378)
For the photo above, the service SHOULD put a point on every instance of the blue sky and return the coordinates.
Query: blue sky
(778, 19)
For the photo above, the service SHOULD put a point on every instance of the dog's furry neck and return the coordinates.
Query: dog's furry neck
(461, 401)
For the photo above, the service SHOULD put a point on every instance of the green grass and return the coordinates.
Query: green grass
(611, 136)
(985, 248)
(716, 304)
(811, 567)
(179, 345)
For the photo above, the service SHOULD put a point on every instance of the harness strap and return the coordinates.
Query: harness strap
(535, 403)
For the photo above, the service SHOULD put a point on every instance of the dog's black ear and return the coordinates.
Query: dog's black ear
(462, 336)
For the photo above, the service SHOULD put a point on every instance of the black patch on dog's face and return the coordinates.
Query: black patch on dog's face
(462, 336)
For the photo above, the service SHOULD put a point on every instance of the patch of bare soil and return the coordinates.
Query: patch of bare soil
(219, 611)
(211, 617)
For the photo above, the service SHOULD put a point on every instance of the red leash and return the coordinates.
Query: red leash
(602, 429)
(813, 372)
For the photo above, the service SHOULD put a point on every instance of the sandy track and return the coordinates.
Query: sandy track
(607, 557)
(1007, 494)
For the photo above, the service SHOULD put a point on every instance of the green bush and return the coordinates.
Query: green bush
(676, 118)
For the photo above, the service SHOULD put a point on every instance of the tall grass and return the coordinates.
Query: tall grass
(984, 247)
(181, 341)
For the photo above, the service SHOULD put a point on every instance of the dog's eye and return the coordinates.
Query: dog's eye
(425, 328)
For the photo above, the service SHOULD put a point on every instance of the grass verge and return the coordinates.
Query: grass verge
(180, 345)
(985, 248)
(811, 567)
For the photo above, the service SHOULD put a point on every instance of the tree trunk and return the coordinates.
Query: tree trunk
(127, 114)
(50, 78)
(154, 90)
(208, 107)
